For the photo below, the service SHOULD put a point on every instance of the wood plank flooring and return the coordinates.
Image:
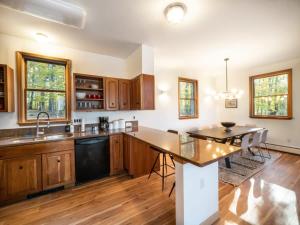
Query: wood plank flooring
(270, 197)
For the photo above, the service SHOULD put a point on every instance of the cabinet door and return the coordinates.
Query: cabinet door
(112, 93)
(126, 150)
(3, 181)
(58, 169)
(124, 94)
(142, 158)
(116, 154)
(136, 93)
(23, 175)
(147, 89)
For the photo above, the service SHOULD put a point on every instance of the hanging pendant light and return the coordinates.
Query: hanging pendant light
(228, 94)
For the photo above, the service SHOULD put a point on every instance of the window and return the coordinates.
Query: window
(43, 85)
(187, 98)
(271, 95)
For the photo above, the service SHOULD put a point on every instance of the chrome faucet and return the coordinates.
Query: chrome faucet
(38, 132)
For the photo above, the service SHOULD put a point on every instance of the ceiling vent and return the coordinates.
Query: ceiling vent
(57, 11)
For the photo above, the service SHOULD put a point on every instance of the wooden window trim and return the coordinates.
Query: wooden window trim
(21, 57)
(195, 82)
(289, 95)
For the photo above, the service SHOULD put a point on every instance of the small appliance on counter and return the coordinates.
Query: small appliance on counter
(103, 123)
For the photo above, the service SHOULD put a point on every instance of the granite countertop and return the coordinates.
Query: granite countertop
(183, 147)
(196, 151)
(30, 139)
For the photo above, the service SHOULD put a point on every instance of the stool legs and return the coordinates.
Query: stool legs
(172, 189)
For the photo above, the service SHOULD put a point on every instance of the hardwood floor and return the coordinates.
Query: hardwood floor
(270, 197)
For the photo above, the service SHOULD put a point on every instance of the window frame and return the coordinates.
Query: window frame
(195, 84)
(21, 58)
(289, 95)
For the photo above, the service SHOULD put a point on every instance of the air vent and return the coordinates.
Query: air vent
(52, 10)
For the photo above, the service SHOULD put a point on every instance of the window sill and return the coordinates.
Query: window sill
(272, 117)
(30, 123)
(188, 117)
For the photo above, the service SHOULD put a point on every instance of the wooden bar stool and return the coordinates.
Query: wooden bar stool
(164, 173)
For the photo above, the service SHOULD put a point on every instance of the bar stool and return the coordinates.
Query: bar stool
(164, 165)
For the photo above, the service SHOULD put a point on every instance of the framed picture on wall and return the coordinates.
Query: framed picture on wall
(231, 103)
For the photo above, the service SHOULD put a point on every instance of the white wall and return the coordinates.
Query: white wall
(165, 116)
(282, 132)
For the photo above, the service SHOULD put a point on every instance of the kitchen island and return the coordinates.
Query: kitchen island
(196, 171)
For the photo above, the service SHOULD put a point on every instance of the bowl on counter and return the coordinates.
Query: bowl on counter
(80, 95)
(228, 125)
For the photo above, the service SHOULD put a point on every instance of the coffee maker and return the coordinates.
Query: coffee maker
(103, 123)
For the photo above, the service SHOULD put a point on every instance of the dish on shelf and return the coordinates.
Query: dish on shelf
(80, 95)
(94, 86)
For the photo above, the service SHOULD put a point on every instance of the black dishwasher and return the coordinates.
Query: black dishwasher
(91, 158)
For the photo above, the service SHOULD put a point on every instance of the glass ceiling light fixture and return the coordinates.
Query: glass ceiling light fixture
(57, 11)
(228, 94)
(175, 12)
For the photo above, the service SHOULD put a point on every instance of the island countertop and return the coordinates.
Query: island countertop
(183, 147)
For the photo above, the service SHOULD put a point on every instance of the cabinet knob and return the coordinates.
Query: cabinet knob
(112, 103)
(58, 161)
(20, 167)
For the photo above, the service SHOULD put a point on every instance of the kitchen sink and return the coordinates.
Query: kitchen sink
(33, 138)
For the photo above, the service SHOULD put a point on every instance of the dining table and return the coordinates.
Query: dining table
(221, 135)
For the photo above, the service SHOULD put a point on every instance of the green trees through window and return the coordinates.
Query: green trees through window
(188, 99)
(45, 89)
(271, 95)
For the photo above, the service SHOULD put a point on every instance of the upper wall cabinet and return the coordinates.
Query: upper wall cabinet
(112, 93)
(124, 94)
(142, 92)
(95, 93)
(7, 103)
(89, 92)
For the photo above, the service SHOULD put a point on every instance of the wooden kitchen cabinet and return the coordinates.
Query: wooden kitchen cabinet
(7, 100)
(124, 94)
(20, 176)
(112, 93)
(58, 169)
(143, 92)
(140, 157)
(31, 168)
(116, 154)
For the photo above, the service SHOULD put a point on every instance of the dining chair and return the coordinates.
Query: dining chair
(242, 160)
(263, 141)
(255, 144)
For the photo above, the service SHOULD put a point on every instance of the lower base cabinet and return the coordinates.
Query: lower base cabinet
(20, 176)
(29, 169)
(116, 154)
(139, 157)
(58, 169)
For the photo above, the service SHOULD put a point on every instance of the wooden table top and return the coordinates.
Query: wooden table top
(196, 151)
(220, 133)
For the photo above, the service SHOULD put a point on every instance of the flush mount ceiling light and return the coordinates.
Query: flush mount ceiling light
(175, 12)
(42, 38)
(57, 11)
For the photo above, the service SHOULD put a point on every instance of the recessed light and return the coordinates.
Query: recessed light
(42, 38)
(175, 12)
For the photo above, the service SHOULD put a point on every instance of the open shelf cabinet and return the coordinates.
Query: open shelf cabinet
(7, 103)
(91, 87)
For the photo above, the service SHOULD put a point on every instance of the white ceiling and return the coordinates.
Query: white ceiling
(250, 32)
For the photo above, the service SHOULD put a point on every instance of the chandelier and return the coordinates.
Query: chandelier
(227, 94)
